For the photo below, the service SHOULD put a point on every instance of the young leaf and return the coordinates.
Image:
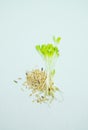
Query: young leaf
(56, 40)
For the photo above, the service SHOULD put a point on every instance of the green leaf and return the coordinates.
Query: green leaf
(53, 72)
(56, 40)
(37, 47)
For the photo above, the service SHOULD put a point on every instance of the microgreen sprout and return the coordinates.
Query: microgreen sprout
(49, 53)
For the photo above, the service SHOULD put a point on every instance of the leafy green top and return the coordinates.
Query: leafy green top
(49, 50)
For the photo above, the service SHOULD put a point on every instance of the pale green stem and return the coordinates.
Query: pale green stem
(49, 68)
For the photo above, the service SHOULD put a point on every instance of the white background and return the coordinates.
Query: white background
(23, 24)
